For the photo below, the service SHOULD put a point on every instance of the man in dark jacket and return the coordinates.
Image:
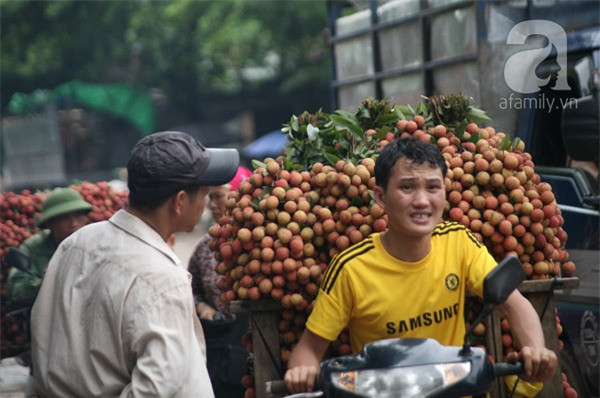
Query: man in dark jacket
(63, 212)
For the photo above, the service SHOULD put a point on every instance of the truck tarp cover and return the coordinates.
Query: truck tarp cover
(122, 100)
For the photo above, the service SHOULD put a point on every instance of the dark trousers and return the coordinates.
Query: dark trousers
(226, 356)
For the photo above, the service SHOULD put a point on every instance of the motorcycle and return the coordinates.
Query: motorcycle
(406, 368)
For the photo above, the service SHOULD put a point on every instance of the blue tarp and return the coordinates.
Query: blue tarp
(269, 145)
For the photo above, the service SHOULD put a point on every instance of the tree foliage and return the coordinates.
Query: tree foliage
(190, 49)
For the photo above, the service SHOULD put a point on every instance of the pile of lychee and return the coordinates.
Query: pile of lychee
(493, 189)
(284, 225)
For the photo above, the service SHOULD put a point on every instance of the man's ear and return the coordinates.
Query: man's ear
(177, 202)
(378, 194)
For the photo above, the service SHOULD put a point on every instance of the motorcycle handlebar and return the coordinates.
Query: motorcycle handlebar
(276, 387)
(507, 369)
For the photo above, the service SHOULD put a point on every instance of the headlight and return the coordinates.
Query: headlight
(413, 381)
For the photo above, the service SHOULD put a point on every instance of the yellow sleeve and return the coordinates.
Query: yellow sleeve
(479, 263)
(332, 310)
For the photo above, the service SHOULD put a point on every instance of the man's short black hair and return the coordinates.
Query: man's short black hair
(409, 148)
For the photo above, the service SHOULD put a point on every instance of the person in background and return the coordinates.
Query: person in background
(226, 355)
(202, 264)
(63, 212)
(368, 286)
(115, 314)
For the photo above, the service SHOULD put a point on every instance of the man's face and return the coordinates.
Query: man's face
(193, 209)
(413, 200)
(64, 225)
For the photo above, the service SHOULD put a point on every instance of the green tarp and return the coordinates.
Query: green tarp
(120, 100)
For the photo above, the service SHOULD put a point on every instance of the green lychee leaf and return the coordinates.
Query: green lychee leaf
(357, 201)
(363, 113)
(350, 122)
(477, 115)
(516, 143)
(295, 125)
(474, 138)
(459, 131)
(386, 119)
(331, 158)
(421, 109)
(381, 132)
(406, 110)
(505, 144)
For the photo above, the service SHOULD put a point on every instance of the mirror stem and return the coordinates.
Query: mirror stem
(487, 310)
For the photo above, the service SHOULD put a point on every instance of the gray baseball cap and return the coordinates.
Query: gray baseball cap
(163, 163)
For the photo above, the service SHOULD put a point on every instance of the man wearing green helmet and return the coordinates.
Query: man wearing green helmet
(63, 212)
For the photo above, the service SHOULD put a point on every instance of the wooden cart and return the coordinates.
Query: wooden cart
(541, 295)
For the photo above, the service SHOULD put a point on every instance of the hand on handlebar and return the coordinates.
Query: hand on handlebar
(301, 379)
(539, 363)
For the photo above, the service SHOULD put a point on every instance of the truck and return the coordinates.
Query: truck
(56, 147)
(534, 67)
(69, 134)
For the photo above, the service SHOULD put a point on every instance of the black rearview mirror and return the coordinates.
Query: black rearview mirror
(497, 286)
(503, 280)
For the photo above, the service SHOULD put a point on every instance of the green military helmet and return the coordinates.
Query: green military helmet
(62, 201)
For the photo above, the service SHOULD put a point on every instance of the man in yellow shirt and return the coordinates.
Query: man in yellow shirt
(410, 280)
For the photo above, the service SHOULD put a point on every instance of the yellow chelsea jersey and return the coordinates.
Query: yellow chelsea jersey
(378, 296)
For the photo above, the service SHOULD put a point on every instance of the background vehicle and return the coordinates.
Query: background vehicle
(84, 131)
(406, 49)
